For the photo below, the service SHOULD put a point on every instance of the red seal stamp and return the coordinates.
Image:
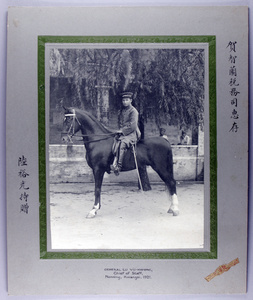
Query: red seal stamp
(221, 269)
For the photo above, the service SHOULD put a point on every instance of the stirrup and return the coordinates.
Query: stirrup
(112, 168)
(117, 170)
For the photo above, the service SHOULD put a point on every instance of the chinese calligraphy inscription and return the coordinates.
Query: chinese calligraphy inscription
(233, 84)
(23, 186)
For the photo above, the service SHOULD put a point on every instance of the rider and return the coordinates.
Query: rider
(129, 132)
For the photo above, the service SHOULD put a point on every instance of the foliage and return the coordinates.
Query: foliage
(168, 84)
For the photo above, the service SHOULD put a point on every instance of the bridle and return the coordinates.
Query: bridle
(71, 132)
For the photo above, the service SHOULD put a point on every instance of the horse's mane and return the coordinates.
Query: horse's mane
(99, 124)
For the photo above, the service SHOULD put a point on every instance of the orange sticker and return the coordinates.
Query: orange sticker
(221, 269)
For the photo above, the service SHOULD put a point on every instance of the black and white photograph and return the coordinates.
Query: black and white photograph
(126, 146)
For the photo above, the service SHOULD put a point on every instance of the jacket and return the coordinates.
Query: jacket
(128, 123)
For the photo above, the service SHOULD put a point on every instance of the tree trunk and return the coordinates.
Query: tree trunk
(141, 126)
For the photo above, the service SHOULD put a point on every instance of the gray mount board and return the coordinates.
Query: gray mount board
(32, 267)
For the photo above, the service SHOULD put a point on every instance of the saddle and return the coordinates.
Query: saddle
(128, 160)
(116, 144)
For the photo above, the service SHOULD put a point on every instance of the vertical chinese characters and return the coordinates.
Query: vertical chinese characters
(233, 84)
(23, 186)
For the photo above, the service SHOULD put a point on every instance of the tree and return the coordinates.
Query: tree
(168, 84)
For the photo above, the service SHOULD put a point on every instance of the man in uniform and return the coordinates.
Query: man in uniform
(129, 132)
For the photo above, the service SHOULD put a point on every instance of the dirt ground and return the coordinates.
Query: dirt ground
(128, 218)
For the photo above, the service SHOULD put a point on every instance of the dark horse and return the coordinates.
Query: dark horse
(98, 141)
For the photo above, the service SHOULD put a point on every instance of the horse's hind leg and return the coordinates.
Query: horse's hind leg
(174, 204)
(171, 190)
(98, 175)
(144, 178)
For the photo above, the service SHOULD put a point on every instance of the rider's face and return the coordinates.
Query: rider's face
(126, 102)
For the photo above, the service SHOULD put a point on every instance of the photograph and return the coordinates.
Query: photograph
(127, 154)
(127, 151)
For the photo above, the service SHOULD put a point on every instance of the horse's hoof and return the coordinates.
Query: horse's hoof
(91, 215)
(174, 212)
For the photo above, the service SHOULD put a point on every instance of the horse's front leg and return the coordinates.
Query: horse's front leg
(98, 176)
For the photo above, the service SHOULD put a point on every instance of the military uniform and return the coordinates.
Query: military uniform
(129, 131)
(128, 124)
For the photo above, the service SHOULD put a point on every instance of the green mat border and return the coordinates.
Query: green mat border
(44, 254)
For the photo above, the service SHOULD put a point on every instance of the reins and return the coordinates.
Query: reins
(106, 136)
(97, 140)
(90, 135)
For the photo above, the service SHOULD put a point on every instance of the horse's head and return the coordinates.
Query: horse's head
(71, 124)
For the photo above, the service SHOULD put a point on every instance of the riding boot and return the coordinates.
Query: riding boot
(122, 151)
(114, 164)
